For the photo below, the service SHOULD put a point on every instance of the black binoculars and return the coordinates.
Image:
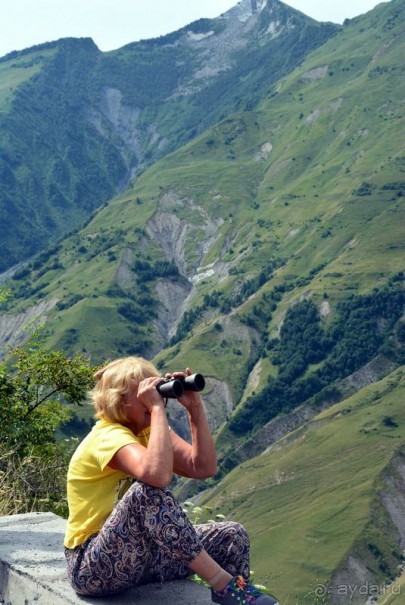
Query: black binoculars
(173, 388)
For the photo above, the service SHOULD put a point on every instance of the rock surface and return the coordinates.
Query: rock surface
(33, 569)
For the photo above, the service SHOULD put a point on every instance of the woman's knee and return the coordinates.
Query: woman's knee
(140, 492)
(146, 490)
(240, 531)
(223, 532)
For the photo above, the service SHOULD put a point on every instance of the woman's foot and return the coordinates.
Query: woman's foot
(239, 592)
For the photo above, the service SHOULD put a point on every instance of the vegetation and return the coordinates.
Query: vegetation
(36, 388)
(287, 223)
(314, 499)
(348, 343)
(264, 253)
(76, 156)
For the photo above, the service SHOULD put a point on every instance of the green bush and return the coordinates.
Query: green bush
(35, 390)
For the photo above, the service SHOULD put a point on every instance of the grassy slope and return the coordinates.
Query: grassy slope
(59, 168)
(311, 499)
(394, 594)
(305, 190)
(345, 115)
(329, 134)
(304, 503)
(16, 71)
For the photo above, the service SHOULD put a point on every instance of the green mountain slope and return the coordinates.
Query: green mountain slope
(76, 124)
(316, 504)
(266, 253)
(209, 249)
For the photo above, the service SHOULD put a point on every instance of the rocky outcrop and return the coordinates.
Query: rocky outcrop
(358, 581)
(14, 328)
(351, 584)
(116, 121)
(274, 430)
(123, 275)
(171, 296)
(184, 230)
(216, 48)
(393, 495)
(376, 369)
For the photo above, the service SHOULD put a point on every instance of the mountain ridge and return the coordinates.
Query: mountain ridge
(229, 132)
(197, 206)
(265, 253)
(100, 118)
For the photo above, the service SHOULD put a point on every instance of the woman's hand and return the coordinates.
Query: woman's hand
(189, 399)
(148, 394)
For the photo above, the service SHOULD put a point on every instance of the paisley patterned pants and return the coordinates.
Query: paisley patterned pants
(148, 538)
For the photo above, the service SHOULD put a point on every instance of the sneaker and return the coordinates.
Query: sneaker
(239, 592)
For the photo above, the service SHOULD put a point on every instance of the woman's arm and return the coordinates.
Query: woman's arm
(197, 460)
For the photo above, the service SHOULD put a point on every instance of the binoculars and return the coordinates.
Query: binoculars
(173, 388)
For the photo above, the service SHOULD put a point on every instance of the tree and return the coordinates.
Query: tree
(36, 388)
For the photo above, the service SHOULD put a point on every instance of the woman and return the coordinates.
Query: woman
(125, 527)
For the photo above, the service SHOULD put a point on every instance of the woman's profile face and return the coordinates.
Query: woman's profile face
(137, 413)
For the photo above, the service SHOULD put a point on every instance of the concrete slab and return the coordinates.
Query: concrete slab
(33, 570)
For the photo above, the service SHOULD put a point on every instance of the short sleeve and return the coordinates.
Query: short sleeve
(111, 438)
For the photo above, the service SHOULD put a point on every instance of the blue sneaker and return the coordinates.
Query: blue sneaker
(239, 592)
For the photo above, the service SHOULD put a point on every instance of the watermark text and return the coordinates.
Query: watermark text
(356, 590)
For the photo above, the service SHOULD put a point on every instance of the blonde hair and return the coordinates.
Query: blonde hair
(114, 382)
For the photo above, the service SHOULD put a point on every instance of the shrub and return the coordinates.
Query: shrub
(34, 391)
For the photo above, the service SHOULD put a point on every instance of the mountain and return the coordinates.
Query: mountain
(325, 506)
(209, 248)
(77, 124)
(267, 253)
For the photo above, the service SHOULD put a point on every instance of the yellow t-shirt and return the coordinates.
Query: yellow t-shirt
(93, 488)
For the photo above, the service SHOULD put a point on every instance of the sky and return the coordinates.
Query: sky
(114, 23)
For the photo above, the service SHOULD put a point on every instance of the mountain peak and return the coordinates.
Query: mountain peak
(226, 41)
(246, 8)
(212, 65)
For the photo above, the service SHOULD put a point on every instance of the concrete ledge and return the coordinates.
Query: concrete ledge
(33, 570)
